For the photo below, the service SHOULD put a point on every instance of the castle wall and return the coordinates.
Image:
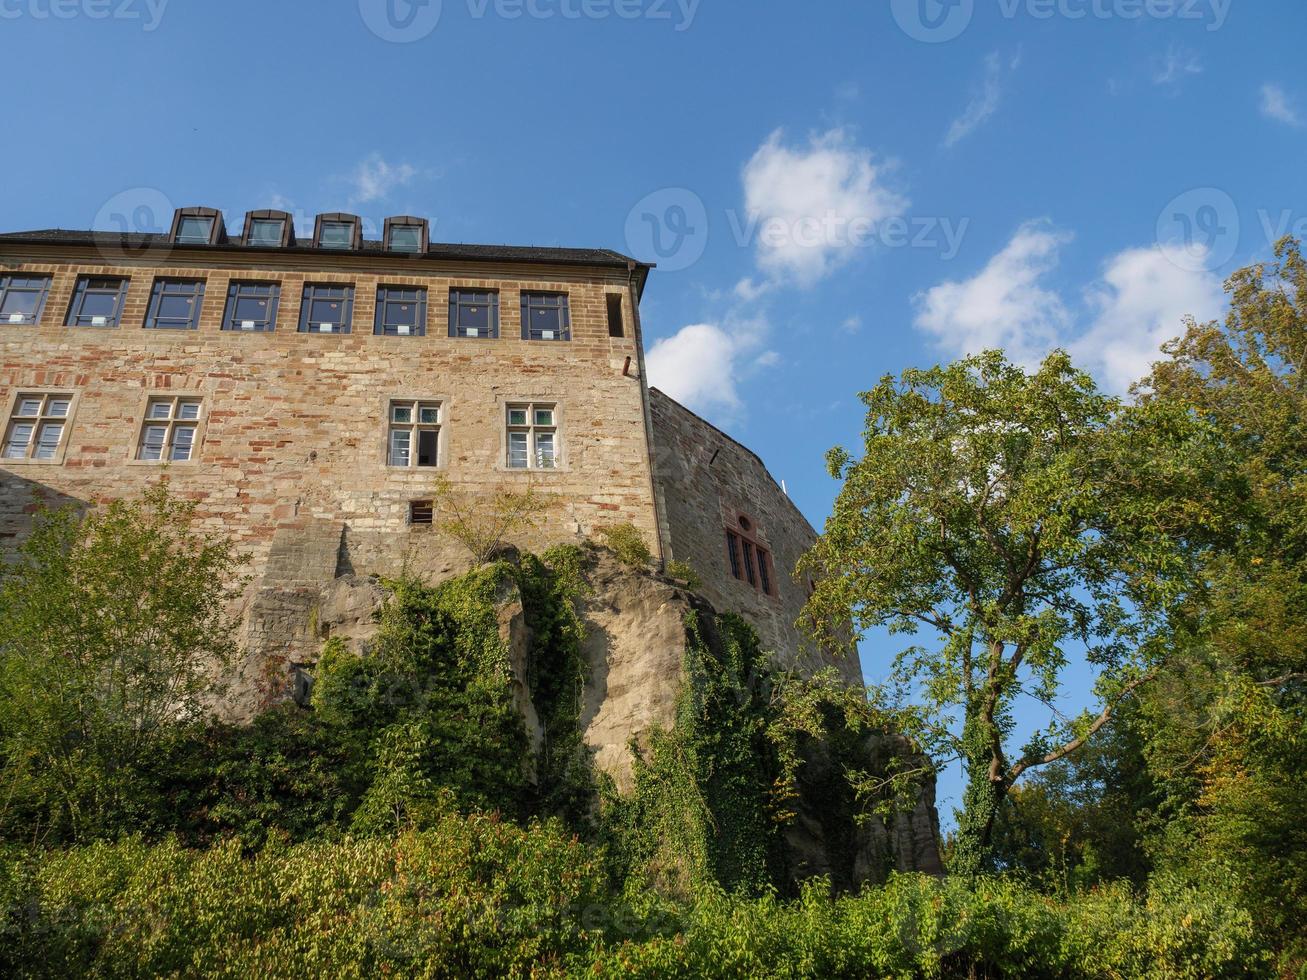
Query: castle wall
(291, 452)
(709, 484)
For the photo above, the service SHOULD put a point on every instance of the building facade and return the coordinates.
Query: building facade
(310, 394)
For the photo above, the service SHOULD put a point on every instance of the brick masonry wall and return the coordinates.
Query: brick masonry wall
(295, 427)
(706, 482)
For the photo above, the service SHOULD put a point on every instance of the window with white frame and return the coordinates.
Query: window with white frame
(37, 426)
(533, 442)
(414, 439)
(169, 430)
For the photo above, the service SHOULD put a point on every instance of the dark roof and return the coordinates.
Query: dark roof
(453, 252)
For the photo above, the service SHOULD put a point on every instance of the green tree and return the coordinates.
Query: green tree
(114, 629)
(1227, 729)
(1019, 518)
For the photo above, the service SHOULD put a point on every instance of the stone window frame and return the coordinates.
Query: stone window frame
(750, 560)
(200, 425)
(236, 291)
(615, 303)
(562, 457)
(306, 305)
(161, 287)
(22, 282)
(388, 404)
(46, 394)
(83, 286)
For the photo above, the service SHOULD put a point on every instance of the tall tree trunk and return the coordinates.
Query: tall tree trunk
(973, 845)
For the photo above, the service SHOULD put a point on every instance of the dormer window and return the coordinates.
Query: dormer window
(406, 234)
(337, 231)
(268, 229)
(197, 226)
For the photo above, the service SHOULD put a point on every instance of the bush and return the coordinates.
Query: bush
(683, 571)
(628, 544)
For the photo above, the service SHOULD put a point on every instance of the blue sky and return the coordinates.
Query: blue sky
(835, 190)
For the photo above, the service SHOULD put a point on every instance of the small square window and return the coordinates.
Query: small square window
(36, 427)
(97, 302)
(544, 416)
(474, 313)
(422, 512)
(175, 304)
(401, 312)
(545, 316)
(252, 306)
(169, 432)
(195, 231)
(401, 413)
(22, 299)
(517, 416)
(267, 231)
(327, 309)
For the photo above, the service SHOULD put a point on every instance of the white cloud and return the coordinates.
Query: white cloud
(375, 180)
(984, 102)
(1277, 105)
(852, 324)
(1176, 65)
(1139, 303)
(749, 289)
(1004, 305)
(811, 207)
(697, 366)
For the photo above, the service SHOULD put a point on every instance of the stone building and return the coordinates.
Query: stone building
(311, 394)
(308, 391)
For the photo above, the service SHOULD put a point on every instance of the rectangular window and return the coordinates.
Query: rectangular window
(267, 231)
(545, 316)
(414, 439)
(327, 309)
(473, 313)
(168, 432)
(37, 426)
(252, 306)
(749, 572)
(22, 299)
(422, 512)
(616, 326)
(195, 231)
(175, 304)
(337, 234)
(401, 312)
(764, 571)
(97, 302)
(533, 441)
(733, 553)
(405, 238)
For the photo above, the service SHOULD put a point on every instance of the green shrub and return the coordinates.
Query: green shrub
(628, 544)
(683, 571)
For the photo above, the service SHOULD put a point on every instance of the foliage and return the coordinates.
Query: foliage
(481, 897)
(627, 542)
(1012, 516)
(113, 630)
(683, 571)
(485, 523)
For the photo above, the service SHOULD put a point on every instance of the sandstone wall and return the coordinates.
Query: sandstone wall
(707, 482)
